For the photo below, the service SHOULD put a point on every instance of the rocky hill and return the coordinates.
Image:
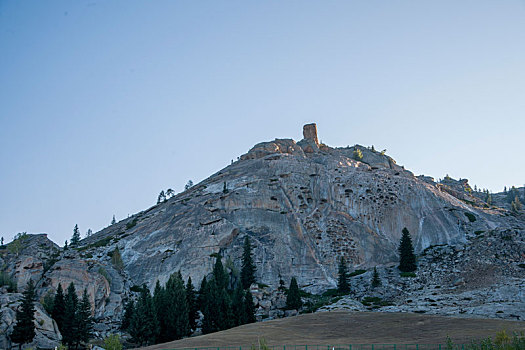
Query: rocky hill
(304, 205)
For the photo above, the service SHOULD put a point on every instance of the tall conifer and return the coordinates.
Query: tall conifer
(193, 306)
(407, 258)
(342, 282)
(249, 307)
(70, 326)
(59, 308)
(248, 268)
(84, 320)
(293, 297)
(24, 329)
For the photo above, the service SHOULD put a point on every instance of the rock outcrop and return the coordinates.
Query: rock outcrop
(304, 205)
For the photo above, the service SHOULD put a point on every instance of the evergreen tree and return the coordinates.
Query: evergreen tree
(65, 245)
(75, 239)
(208, 300)
(342, 283)
(407, 258)
(113, 221)
(376, 282)
(162, 197)
(249, 308)
(248, 268)
(24, 329)
(89, 232)
(219, 275)
(128, 314)
(2, 241)
(202, 294)
(293, 297)
(176, 321)
(188, 185)
(238, 307)
(144, 327)
(193, 305)
(84, 321)
(59, 308)
(70, 325)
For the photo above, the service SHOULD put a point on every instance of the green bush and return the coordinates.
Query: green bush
(136, 289)
(113, 342)
(470, 216)
(100, 243)
(356, 273)
(407, 274)
(131, 224)
(358, 154)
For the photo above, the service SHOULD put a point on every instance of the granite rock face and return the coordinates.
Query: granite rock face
(304, 205)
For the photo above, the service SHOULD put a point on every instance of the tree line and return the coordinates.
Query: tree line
(171, 313)
(73, 317)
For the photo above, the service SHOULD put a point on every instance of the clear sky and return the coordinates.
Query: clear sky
(105, 103)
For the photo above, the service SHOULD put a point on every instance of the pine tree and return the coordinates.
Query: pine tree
(177, 308)
(59, 308)
(113, 221)
(193, 306)
(201, 298)
(293, 297)
(342, 283)
(162, 197)
(238, 307)
(248, 268)
(128, 314)
(376, 282)
(24, 329)
(84, 321)
(219, 275)
(249, 308)
(75, 239)
(144, 327)
(407, 258)
(70, 325)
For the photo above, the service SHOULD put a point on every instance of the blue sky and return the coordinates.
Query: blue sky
(105, 103)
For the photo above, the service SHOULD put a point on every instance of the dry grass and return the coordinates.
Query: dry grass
(352, 328)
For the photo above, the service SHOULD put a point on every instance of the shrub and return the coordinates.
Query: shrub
(358, 154)
(470, 216)
(356, 273)
(407, 274)
(113, 342)
(131, 224)
(136, 289)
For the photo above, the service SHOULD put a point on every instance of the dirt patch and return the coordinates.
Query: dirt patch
(352, 328)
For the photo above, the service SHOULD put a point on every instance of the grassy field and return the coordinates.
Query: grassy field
(352, 328)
